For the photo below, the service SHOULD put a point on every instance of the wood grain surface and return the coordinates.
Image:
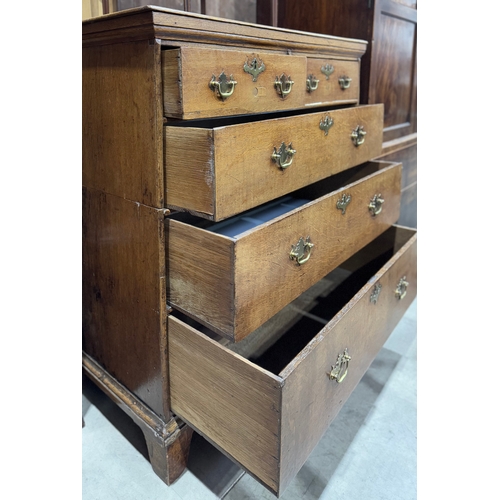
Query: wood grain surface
(176, 27)
(200, 274)
(270, 423)
(310, 399)
(197, 66)
(190, 170)
(226, 398)
(234, 285)
(122, 145)
(389, 66)
(276, 280)
(234, 163)
(124, 303)
(329, 90)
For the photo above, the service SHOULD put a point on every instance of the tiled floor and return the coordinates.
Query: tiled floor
(368, 453)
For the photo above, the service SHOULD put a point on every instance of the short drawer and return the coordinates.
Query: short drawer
(219, 171)
(332, 81)
(197, 82)
(267, 401)
(233, 275)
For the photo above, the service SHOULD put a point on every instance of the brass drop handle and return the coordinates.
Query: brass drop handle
(223, 87)
(339, 370)
(284, 155)
(358, 135)
(312, 83)
(345, 82)
(301, 251)
(375, 205)
(283, 85)
(401, 288)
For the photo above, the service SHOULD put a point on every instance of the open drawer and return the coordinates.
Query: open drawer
(267, 401)
(219, 168)
(234, 275)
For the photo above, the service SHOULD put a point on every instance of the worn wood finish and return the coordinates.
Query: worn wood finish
(201, 274)
(234, 285)
(124, 304)
(227, 399)
(190, 170)
(168, 441)
(329, 89)
(169, 457)
(270, 423)
(175, 27)
(222, 171)
(197, 66)
(125, 244)
(310, 399)
(122, 145)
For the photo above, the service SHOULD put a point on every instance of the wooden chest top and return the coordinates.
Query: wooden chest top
(176, 27)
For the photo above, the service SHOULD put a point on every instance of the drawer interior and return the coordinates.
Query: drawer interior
(278, 341)
(234, 227)
(226, 121)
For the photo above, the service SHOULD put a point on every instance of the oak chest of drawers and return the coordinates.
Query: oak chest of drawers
(241, 267)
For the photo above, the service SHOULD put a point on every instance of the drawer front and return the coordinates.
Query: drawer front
(217, 173)
(269, 423)
(197, 82)
(311, 400)
(332, 81)
(233, 285)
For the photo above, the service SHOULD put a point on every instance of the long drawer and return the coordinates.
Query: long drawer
(234, 275)
(202, 83)
(219, 171)
(267, 401)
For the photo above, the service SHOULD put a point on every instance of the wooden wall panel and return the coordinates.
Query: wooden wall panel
(393, 66)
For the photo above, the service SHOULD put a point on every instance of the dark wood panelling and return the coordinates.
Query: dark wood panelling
(392, 67)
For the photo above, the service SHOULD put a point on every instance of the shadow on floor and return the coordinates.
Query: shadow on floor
(313, 477)
(206, 463)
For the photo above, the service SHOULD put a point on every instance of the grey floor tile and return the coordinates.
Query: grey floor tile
(369, 451)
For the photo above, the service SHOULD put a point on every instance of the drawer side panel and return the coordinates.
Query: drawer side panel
(200, 274)
(310, 399)
(189, 169)
(233, 403)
